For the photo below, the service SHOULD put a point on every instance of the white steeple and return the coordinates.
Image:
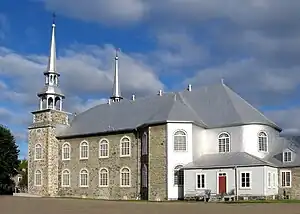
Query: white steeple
(116, 95)
(51, 96)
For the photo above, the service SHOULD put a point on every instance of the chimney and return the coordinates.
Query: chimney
(189, 87)
(133, 97)
(159, 93)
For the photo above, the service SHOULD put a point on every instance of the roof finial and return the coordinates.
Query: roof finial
(116, 96)
(53, 19)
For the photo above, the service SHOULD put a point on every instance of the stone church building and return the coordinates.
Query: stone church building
(160, 147)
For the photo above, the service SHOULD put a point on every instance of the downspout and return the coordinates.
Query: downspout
(137, 165)
(236, 183)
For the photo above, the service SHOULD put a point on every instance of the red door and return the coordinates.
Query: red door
(222, 183)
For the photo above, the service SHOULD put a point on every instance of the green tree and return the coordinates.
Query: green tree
(23, 171)
(9, 162)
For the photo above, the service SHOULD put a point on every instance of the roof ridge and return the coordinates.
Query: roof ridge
(248, 104)
(257, 158)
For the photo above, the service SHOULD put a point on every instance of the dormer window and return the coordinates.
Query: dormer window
(287, 156)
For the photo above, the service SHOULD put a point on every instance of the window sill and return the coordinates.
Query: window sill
(66, 159)
(83, 158)
(245, 188)
(125, 186)
(103, 186)
(103, 157)
(124, 156)
(84, 186)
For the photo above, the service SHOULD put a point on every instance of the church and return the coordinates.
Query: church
(165, 146)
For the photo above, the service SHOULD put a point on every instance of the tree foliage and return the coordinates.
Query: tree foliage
(9, 162)
(23, 171)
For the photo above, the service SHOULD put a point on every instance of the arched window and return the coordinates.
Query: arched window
(65, 178)
(84, 150)
(125, 147)
(224, 142)
(38, 152)
(125, 177)
(180, 141)
(38, 178)
(144, 176)
(84, 178)
(262, 142)
(103, 177)
(50, 102)
(178, 175)
(66, 151)
(57, 103)
(103, 148)
(144, 144)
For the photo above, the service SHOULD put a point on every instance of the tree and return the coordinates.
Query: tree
(9, 162)
(23, 171)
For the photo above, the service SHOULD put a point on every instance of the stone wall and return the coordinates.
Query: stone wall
(157, 168)
(294, 191)
(42, 131)
(113, 163)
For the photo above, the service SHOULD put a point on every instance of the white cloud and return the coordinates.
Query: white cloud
(4, 26)
(112, 11)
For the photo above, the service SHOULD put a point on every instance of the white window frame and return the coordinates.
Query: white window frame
(285, 155)
(145, 144)
(250, 180)
(121, 172)
(281, 181)
(80, 150)
(178, 175)
(121, 147)
(80, 180)
(176, 145)
(104, 141)
(36, 147)
(35, 176)
(201, 174)
(63, 153)
(101, 178)
(64, 172)
(221, 139)
(264, 144)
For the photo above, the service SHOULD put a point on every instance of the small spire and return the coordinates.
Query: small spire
(116, 96)
(222, 81)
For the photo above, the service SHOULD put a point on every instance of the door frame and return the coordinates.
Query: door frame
(218, 175)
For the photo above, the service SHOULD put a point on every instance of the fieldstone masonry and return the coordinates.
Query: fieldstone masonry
(294, 191)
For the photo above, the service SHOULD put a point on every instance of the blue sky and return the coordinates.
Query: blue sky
(254, 45)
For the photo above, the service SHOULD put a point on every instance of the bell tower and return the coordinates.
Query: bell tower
(43, 149)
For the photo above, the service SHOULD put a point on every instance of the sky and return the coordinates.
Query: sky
(254, 45)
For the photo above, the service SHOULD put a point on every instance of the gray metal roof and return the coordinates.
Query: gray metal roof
(230, 159)
(210, 107)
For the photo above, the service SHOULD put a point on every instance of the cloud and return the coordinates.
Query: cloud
(4, 26)
(112, 11)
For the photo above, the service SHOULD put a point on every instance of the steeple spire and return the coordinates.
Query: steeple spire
(116, 95)
(52, 57)
(51, 96)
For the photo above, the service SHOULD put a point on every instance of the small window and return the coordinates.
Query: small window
(262, 142)
(144, 144)
(200, 181)
(125, 147)
(178, 175)
(84, 150)
(274, 180)
(84, 178)
(65, 178)
(286, 178)
(66, 150)
(224, 142)
(19, 178)
(38, 151)
(269, 179)
(287, 156)
(38, 178)
(180, 141)
(103, 177)
(125, 177)
(104, 149)
(245, 180)
(144, 176)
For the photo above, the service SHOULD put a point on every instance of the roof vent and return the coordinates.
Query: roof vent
(189, 87)
(133, 97)
(109, 101)
(159, 93)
